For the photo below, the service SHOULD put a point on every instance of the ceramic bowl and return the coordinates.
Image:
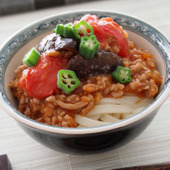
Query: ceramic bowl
(94, 139)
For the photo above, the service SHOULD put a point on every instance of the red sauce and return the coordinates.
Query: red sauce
(41, 80)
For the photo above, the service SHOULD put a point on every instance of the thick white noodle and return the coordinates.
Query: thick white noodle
(125, 115)
(145, 102)
(142, 104)
(116, 115)
(110, 110)
(87, 122)
(108, 118)
(80, 126)
(138, 110)
(94, 117)
(122, 100)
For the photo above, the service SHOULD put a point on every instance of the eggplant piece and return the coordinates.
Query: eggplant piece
(104, 62)
(56, 42)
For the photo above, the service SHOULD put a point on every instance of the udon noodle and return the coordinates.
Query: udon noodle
(109, 110)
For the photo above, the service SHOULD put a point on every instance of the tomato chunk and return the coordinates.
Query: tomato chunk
(41, 80)
(109, 33)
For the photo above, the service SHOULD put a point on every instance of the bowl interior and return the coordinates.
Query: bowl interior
(12, 53)
(140, 41)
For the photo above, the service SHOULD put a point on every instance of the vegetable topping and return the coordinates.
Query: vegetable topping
(65, 30)
(109, 33)
(68, 32)
(60, 29)
(40, 81)
(88, 42)
(67, 81)
(82, 29)
(122, 74)
(56, 42)
(104, 62)
(31, 58)
(88, 46)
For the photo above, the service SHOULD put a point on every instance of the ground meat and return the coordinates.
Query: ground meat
(145, 78)
(19, 70)
(60, 109)
(71, 106)
(97, 83)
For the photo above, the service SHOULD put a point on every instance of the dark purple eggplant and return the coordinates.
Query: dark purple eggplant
(104, 62)
(56, 42)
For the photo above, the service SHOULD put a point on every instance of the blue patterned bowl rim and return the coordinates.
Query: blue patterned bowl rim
(23, 36)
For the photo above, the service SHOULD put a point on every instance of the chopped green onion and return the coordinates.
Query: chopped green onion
(31, 58)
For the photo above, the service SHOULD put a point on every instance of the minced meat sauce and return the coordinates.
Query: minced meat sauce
(45, 103)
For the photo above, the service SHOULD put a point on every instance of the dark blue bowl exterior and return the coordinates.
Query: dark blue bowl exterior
(90, 143)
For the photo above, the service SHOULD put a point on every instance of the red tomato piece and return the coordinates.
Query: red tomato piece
(114, 30)
(99, 32)
(106, 30)
(41, 80)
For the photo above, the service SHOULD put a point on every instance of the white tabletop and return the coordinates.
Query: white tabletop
(152, 146)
